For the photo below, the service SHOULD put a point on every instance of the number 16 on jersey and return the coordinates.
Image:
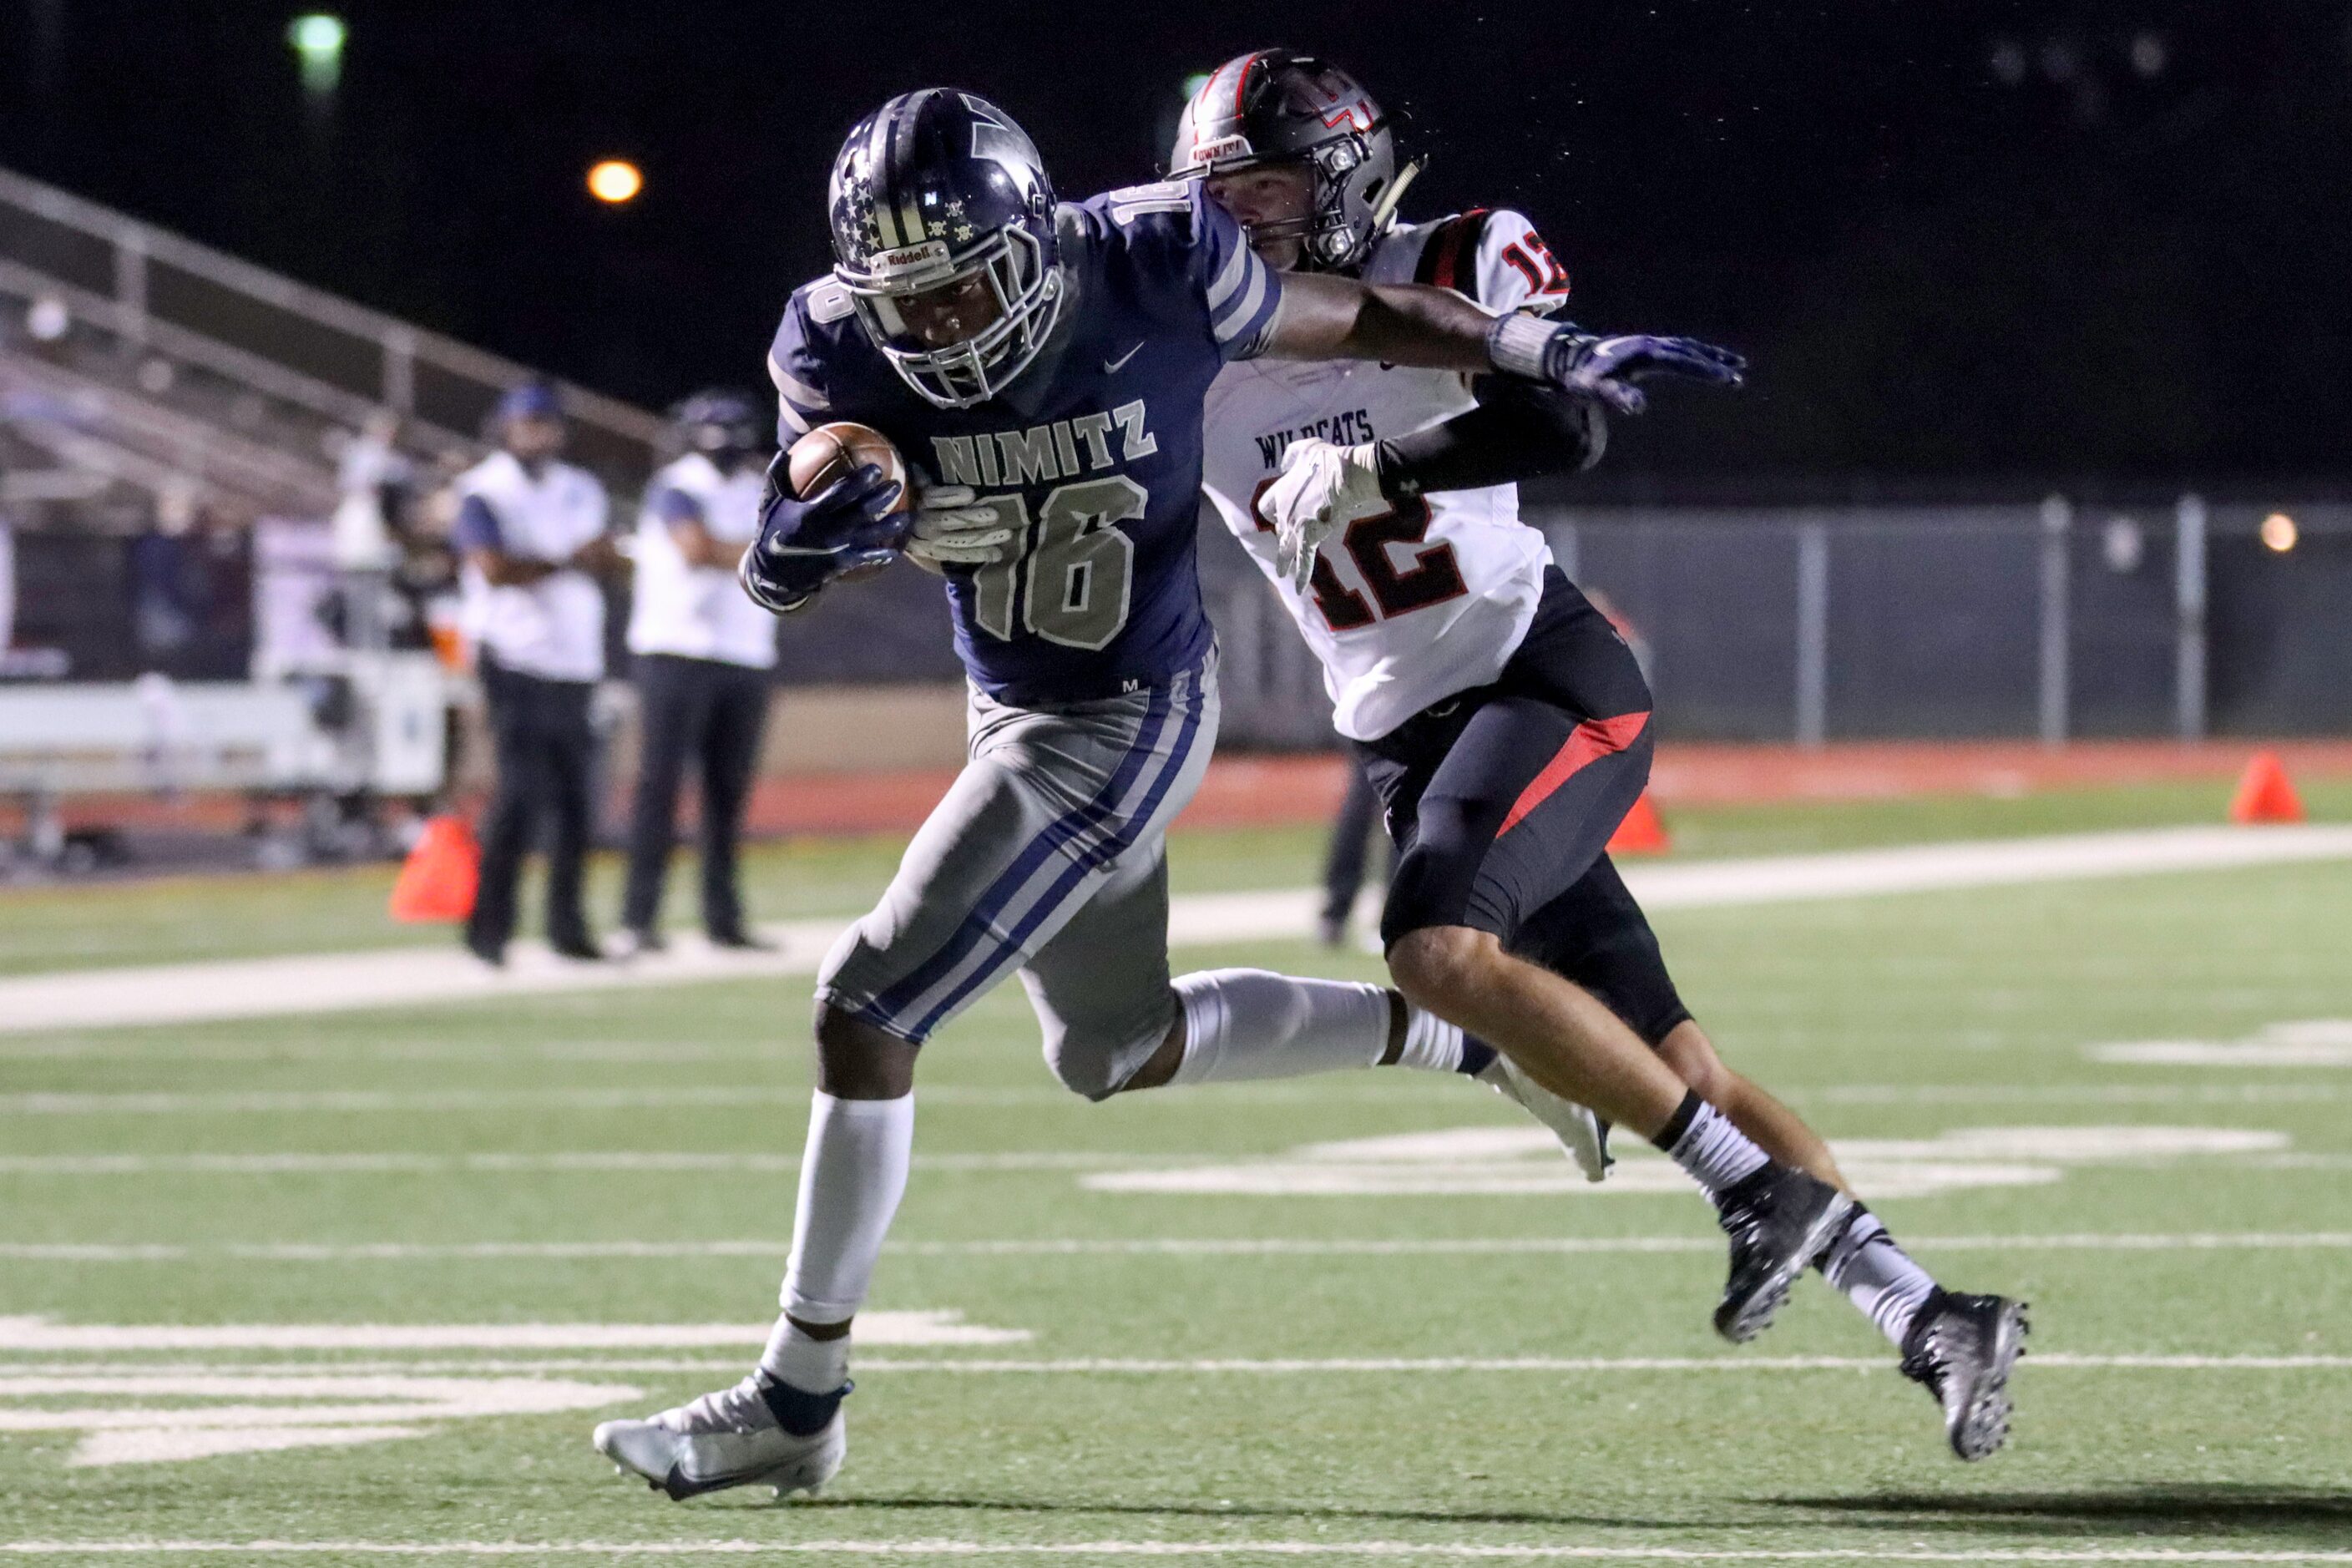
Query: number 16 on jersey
(1072, 577)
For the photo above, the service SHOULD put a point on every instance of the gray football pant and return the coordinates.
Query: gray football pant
(1048, 855)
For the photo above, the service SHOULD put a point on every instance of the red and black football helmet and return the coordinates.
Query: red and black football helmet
(1282, 105)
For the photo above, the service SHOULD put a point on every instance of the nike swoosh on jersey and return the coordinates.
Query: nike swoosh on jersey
(1112, 366)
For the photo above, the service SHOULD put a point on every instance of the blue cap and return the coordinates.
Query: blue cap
(531, 400)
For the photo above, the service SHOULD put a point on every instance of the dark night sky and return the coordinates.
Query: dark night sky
(2095, 272)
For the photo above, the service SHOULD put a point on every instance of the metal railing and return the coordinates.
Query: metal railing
(106, 430)
(286, 339)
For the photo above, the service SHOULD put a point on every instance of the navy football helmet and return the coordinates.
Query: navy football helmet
(720, 423)
(1280, 105)
(943, 234)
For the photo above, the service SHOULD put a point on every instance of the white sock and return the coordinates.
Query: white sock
(1430, 1043)
(852, 1176)
(1242, 1024)
(810, 1364)
(1877, 1275)
(1703, 1141)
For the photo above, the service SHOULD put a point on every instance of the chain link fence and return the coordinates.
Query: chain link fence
(1810, 626)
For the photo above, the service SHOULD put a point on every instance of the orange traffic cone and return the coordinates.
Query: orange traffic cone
(2265, 794)
(441, 876)
(1642, 832)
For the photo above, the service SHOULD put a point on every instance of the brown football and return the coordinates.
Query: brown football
(831, 451)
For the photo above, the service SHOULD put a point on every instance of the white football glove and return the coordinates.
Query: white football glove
(951, 530)
(1321, 486)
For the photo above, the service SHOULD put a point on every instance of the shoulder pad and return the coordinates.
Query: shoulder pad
(1517, 271)
(1132, 202)
(1449, 256)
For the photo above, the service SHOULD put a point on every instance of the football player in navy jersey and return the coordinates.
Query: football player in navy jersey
(1046, 365)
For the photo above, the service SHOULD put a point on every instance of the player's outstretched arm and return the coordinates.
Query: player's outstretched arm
(1325, 317)
(1322, 316)
(1520, 431)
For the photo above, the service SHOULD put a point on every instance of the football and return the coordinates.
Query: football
(831, 451)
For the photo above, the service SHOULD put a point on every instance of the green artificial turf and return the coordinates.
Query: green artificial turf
(1913, 1017)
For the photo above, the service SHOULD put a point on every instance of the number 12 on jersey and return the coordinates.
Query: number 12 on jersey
(1433, 578)
(1074, 573)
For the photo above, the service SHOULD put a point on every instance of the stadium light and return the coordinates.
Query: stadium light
(318, 42)
(2279, 532)
(1193, 84)
(615, 182)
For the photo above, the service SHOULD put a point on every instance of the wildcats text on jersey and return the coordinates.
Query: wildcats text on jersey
(1350, 427)
(1039, 453)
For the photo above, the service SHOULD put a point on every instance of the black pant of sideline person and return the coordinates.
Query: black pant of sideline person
(1348, 854)
(711, 713)
(545, 750)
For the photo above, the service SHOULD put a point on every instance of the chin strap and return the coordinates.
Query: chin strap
(1386, 204)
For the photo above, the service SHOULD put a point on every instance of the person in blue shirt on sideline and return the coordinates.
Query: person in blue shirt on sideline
(531, 538)
(704, 655)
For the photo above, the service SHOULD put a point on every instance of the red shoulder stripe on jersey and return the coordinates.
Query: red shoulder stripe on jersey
(1442, 255)
(1587, 743)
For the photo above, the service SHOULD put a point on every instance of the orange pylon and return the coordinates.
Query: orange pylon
(1642, 832)
(2265, 794)
(441, 876)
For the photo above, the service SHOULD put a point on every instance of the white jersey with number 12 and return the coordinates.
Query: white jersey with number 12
(1414, 600)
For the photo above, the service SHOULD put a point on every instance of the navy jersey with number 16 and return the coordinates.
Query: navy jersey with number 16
(1092, 452)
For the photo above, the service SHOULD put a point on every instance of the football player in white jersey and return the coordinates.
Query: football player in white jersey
(1504, 723)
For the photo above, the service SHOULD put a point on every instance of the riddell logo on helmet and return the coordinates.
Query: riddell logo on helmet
(912, 258)
(1218, 147)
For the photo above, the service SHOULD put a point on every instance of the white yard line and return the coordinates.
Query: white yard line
(1317, 1549)
(36, 1335)
(1986, 863)
(397, 1162)
(1369, 1088)
(325, 982)
(1151, 1246)
(1165, 1366)
(2062, 1093)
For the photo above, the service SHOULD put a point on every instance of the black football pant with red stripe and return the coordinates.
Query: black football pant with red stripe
(1503, 798)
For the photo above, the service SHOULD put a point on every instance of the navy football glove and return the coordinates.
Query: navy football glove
(1568, 357)
(804, 544)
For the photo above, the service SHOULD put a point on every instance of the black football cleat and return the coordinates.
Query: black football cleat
(1779, 1220)
(1961, 1349)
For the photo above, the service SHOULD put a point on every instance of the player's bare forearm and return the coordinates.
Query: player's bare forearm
(696, 543)
(1401, 323)
(501, 569)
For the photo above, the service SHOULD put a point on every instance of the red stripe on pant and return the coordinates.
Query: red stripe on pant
(1587, 743)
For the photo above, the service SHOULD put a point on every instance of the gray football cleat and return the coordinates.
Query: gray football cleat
(735, 1436)
(1779, 1220)
(1961, 1349)
(1582, 1134)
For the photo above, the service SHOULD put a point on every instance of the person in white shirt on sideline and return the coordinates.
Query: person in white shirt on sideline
(704, 654)
(530, 533)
